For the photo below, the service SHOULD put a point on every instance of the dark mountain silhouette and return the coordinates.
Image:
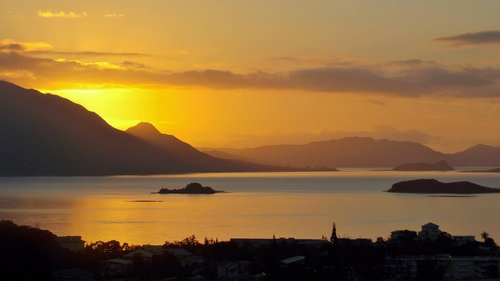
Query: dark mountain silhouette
(198, 160)
(43, 134)
(218, 153)
(434, 186)
(346, 152)
(439, 166)
(359, 152)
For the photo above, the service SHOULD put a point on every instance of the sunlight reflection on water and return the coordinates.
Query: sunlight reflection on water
(301, 205)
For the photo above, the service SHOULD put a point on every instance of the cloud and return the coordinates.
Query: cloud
(44, 48)
(414, 81)
(409, 78)
(61, 14)
(114, 15)
(9, 45)
(473, 38)
(90, 53)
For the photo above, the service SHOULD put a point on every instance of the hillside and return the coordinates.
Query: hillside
(46, 135)
(196, 159)
(479, 155)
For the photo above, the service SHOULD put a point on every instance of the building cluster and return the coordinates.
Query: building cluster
(205, 266)
(431, 231)
(455, 267)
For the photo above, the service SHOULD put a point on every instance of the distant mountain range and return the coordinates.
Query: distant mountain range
(359, 152)
(439, 166)
(46, 135)
(43, 134)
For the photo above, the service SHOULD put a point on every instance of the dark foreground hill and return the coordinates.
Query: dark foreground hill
(46, 135)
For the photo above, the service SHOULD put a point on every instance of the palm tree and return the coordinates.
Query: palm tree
(485, 235)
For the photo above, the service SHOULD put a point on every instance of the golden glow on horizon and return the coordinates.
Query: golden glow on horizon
(205, 117)
(113, 58)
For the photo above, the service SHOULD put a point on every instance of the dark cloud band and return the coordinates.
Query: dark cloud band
(396, 79)
(475, 38)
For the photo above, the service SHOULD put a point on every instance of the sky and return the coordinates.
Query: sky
(248, 73)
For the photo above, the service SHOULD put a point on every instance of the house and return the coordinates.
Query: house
(259, 242)
(407, 235)
(464, 239)
(357, 242)
(115, 267)
(184, 256)
(156, 250)
(430, 231)
(72, 243)
(142, 254)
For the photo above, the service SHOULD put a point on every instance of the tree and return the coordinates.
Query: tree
(485, 235)
(333, 237)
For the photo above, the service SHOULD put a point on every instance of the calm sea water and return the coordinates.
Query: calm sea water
(300, 205)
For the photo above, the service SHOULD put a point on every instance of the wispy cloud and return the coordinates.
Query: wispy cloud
(90, 53)
(473, 38)
(10, 45)
(44, 48)
(114, 15)
(61, 14)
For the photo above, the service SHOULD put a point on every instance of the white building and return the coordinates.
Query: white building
(430, 231)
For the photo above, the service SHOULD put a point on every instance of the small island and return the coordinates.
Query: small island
(439, 166)
(192, 188)
(434, 186)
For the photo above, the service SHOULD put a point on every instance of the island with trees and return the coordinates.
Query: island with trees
(192, 188)
(434, 186)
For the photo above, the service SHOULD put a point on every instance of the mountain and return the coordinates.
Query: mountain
(43, 134)
(439, 166)
(198, 160)
(359, 152)
(479, 155)
(345, 152)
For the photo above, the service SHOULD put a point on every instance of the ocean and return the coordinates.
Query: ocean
(255, 205)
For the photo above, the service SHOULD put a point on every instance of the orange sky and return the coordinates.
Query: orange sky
(234, 73)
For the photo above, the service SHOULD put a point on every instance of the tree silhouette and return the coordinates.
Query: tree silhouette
(485, 235)
(333, 237)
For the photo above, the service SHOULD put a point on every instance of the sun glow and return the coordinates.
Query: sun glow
(116, 105)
